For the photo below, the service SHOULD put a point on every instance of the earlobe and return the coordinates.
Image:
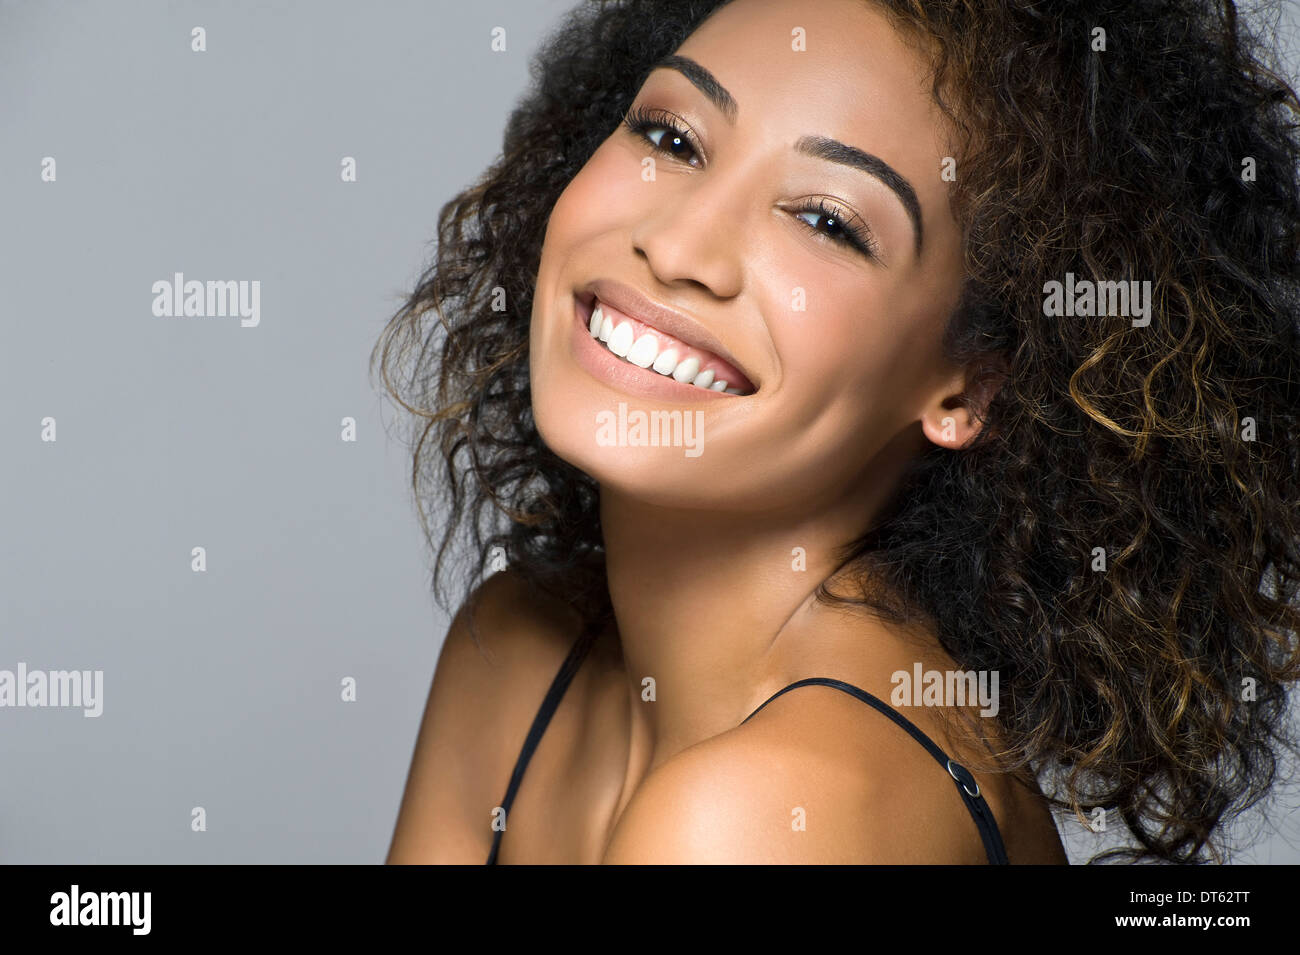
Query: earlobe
(950, 425)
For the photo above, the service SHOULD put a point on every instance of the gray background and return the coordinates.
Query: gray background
(222, 689)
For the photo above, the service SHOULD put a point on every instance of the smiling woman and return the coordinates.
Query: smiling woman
(823, 233)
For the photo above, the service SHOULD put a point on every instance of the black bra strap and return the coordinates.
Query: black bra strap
(543, 718)
(966, 784)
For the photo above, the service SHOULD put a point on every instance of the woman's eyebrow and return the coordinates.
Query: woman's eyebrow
(821, 147)
(704, 81)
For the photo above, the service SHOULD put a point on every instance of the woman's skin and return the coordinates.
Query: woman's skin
(701, 549)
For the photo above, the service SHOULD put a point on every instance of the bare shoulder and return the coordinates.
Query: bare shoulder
(502, 649)
(506, 626)
(815, 778)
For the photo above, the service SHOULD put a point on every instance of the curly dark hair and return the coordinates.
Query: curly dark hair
(1155, 683)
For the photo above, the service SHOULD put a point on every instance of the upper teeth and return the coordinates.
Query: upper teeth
(645, 353)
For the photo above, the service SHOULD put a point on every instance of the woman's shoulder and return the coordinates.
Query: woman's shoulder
(507, 629)
(505, 642)
(814, 778)
(817, 775)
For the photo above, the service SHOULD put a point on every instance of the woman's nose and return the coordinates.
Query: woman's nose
(696, 230)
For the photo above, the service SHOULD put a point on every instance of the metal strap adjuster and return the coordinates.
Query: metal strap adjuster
(966, 779)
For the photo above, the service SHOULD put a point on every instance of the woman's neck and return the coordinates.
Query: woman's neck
(709, 606)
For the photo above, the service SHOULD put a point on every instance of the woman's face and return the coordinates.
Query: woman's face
(840, 346)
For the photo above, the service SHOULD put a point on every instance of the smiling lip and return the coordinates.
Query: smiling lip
(605, 366)
(632, 303)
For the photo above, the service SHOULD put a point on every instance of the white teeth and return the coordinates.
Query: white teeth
(644, 351)
(621, 340)
(685, 372)
(666, 362)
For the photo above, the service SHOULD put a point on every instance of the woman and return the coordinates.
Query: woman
(995, 513)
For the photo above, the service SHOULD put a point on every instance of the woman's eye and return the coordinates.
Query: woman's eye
(834, 226)
(676, 142)
(662, 134)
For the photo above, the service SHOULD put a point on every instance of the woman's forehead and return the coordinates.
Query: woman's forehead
(837, 65)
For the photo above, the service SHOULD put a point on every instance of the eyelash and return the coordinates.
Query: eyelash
(639, 120)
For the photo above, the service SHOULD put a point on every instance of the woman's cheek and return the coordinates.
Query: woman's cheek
(823, 336)
(600, 197)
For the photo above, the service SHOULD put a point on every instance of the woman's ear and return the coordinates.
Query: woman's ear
(957, 413)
